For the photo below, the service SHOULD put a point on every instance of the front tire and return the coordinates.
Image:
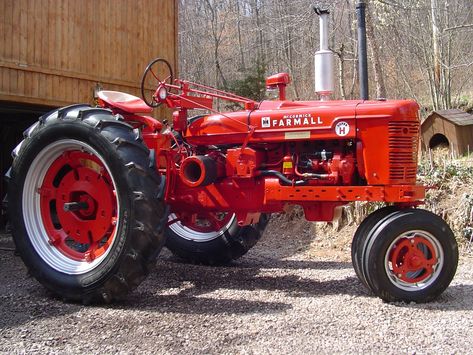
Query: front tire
(85, 217)
(211, 238)
(362, 233)
(411, 256)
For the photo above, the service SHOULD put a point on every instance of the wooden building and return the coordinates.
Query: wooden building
(56, 52)
(452, 128)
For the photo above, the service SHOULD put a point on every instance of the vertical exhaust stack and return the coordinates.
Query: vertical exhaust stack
(362, 54)
(323, 59)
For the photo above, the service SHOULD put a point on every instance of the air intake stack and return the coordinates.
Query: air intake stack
(323, 59)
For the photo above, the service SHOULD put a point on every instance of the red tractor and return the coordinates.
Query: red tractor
(95, 192)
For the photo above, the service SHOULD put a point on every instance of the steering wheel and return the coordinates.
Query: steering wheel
(157, 74)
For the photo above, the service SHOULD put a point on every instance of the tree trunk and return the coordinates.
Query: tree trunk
(341, 71)
(436, 51)
(240, 45)
(374, 49)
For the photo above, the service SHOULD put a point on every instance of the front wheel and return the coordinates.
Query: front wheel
(85, 217)
(211, 238)
(412, 255)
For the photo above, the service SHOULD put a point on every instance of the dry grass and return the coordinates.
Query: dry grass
(452, 197)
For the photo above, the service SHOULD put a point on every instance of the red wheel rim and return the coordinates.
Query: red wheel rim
(205, 222)
(414, 260)
(80, 180)
(202, 226)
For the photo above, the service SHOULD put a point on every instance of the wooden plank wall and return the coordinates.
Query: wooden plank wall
(465, 139)
(54, 52)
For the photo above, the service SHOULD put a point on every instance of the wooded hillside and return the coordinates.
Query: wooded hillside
(421, 49)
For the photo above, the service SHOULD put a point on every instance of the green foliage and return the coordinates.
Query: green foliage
(252, 85)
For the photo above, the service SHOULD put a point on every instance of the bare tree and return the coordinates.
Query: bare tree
(417, 48)
(375, 52)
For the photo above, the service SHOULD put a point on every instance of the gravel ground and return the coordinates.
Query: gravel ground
(278, 299)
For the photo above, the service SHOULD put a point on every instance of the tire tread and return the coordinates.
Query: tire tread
(145, 241)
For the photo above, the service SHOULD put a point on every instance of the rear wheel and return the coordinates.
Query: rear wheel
(411, 256)
(211, 238)
(83, 206)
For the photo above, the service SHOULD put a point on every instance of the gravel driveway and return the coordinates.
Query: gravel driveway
(277, 300)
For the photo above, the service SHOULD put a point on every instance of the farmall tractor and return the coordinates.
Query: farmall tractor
(95, 192)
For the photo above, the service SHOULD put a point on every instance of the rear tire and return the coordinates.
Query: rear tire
(411, 256)
(83, 205)
(210, 245)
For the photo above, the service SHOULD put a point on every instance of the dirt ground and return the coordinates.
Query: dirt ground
(294, 293)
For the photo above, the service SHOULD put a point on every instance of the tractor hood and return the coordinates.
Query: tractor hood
(276, 121)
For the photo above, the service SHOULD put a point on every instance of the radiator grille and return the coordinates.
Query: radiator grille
(403, 149)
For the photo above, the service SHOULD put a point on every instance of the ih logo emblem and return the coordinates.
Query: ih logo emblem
(265, 122)
(342, 128)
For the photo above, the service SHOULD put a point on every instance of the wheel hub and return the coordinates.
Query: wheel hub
(75, 206)
(78, 205)
(412, 259)
(415, 262)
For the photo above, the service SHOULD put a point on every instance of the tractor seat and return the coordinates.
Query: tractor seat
(124, 101)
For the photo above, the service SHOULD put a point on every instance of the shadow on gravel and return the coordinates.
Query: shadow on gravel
(291, 264)
(23, 299)
(185, 303)
(208, 279)
(176, 287)
(192, 286)
(454, 298)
